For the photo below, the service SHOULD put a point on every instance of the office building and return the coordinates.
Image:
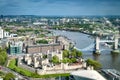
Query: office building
(16, 48)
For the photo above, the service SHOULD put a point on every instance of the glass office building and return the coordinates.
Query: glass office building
(16, 48)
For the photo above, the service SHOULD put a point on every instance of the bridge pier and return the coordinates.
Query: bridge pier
(115, 49)
(98, 41)
(97, 50)
(116, 43)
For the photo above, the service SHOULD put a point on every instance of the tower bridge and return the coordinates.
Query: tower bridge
(98, 41)
(95, 47)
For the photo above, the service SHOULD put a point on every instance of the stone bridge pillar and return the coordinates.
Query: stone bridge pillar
(97, 42)
(116, 43)
(116, 51)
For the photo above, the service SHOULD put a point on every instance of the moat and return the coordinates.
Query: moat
(83, 40)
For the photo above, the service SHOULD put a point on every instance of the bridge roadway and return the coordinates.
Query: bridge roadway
(91, 47)
(106, 41)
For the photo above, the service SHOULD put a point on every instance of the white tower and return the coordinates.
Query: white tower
(116, 43)
(97, 43)
(1, 33)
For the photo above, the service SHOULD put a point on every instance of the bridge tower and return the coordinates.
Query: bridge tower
(97, 50)
(115, 51)
(97, 43)
(116, 43)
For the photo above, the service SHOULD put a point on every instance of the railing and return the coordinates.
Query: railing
(106, 41)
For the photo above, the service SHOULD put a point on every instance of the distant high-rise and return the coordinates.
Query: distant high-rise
(1, 16)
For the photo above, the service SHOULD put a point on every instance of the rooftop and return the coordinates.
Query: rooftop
(41, 45)
(89, 74)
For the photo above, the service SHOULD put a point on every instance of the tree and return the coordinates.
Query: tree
(55, 59)
(44, 56)
(36, 31)
(73, 60)
(79, 53)
(43, 41)
(2, 73)
(41, 35)
(93, 63)
(9, 76)
(66, 60)
(73, 54)
(3, 56)
(74, 50)
(2, 60)
(65, 53)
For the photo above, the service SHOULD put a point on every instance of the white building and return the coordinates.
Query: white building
(39, 23)
(1, 33)
(13, 35)
(1, 78)
(6, 34)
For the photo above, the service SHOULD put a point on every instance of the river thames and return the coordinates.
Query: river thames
(83, 41)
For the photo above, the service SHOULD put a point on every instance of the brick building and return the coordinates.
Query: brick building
(44, 48)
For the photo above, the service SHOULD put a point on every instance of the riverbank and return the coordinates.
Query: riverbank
(115, 52)
(75, 30)
(83, 41)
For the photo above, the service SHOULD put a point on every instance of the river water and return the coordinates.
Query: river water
(83, 41)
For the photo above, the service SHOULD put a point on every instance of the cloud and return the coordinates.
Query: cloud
(60, 7)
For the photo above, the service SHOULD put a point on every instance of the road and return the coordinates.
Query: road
(21, 77)
(7, 70)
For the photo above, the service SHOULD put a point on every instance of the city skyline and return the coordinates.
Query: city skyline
(60, 7)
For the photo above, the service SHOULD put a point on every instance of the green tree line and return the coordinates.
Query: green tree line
(3, 56)
(93, 63)
(69, 56)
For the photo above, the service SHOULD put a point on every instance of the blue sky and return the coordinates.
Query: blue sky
(60, 7)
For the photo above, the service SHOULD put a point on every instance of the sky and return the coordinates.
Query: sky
(60, 7)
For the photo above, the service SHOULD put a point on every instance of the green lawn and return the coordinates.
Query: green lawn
(1, 74)
(20, 70)
(28, 73)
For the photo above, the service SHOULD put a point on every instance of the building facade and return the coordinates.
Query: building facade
(44, 48)
(16, 48)
(6, 34)
(1, 33)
